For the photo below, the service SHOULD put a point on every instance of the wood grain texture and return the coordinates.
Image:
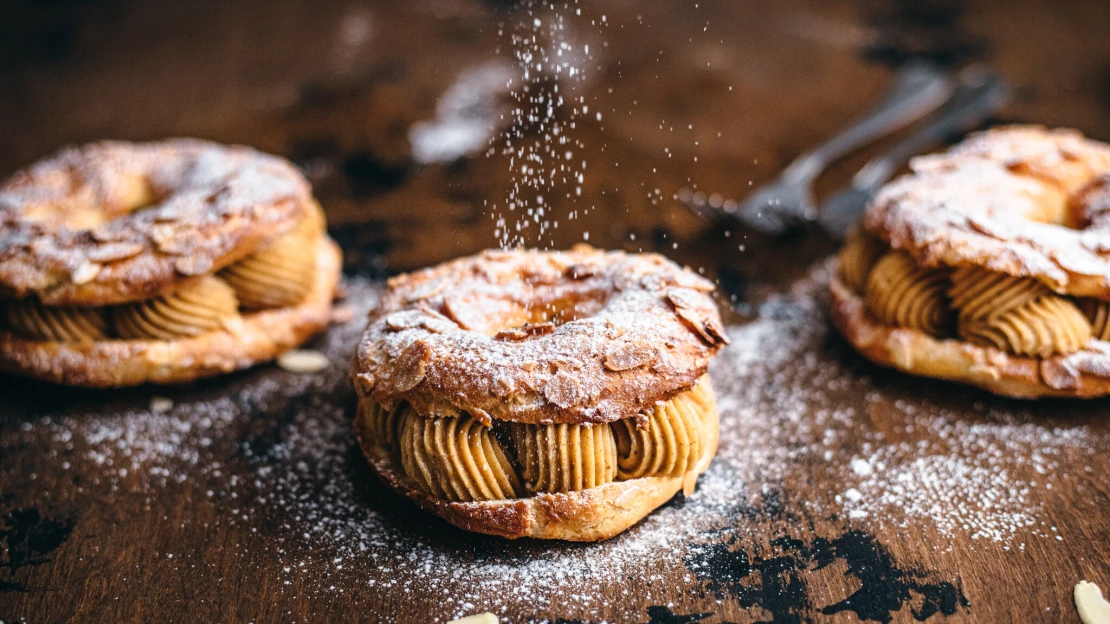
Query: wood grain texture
(252, 482)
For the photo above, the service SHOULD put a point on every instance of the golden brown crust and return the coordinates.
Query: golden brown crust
(255, 338)
(115, 222)
(594, 514)
(1085, 373)
(1004, 200)
(583, 336)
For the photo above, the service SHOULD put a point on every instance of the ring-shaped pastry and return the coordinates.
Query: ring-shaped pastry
(125, 263)
(556, 395)
(988, 264)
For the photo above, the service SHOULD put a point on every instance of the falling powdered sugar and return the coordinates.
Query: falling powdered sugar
(541, 142)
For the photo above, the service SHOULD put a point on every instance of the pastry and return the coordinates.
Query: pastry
(989, 265)
(128, 263)
(559, 395)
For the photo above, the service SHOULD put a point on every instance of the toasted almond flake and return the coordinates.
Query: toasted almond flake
(160, 405)
(399, 321)
(115, 252)
(302, 361)
(86, 273)
(624, 356)
(481, 618)
(365, 383)
(411, 365)
(510, 334)
(564, 390)
(1092, 607)
(193, 265)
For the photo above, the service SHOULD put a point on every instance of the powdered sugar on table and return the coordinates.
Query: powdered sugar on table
(272, 450)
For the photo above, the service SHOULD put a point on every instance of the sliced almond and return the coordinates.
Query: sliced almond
(1092, 607)
(302, 361)
(411, 366)
(193, 265)
(85, 273)
(564, 390)
(625, 356)
(160, 405)
(115, 252)
(365, 383)
(481, 618)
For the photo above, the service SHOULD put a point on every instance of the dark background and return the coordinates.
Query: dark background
(710, 96)
(740, 86)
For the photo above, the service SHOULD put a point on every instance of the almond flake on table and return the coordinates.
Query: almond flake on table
(160, 405)
(302, 361)
(481, 618)
(1092, 607)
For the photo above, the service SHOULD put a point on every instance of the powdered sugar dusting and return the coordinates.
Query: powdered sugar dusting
(271, 453)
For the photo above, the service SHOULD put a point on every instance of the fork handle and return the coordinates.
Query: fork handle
(919, 89)
(979, 95)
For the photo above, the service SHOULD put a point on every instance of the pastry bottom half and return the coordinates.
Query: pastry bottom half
(248, 340)
(568, 482)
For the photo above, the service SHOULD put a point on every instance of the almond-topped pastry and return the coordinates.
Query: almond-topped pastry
(558, 395)
(988, 264)
(128, 263)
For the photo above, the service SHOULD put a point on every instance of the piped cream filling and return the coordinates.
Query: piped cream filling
(1016, 314)
(277, 277)
(459, 459)
(197, 308)
(901, 293)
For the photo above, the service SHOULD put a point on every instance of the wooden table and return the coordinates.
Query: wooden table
(841, 492)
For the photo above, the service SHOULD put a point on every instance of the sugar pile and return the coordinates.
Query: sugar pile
(272, 451)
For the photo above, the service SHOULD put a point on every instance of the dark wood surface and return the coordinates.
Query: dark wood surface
(841, 492)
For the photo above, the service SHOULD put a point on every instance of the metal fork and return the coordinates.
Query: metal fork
(978, 96)
(919, 89)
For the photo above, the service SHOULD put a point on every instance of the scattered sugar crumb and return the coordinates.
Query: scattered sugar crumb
(862, 467)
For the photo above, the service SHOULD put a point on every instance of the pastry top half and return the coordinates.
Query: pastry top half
(113, 222)
(582, 336)
(1021, 200)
